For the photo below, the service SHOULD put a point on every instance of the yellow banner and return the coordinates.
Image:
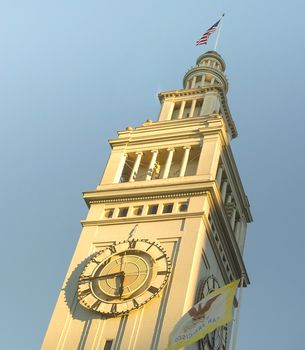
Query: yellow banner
(211, 312)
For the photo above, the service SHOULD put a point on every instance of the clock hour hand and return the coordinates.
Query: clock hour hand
(121, 289)
(110, 275)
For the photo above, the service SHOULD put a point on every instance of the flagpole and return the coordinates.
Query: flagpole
(234, 343)
(218, 33)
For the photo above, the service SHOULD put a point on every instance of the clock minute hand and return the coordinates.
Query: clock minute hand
(121, 289)
(110, 275)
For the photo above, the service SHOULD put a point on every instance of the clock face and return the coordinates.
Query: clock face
(217, 339)
(123, 277)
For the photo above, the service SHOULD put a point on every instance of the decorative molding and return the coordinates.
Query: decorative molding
(187, 92)
(144, 198)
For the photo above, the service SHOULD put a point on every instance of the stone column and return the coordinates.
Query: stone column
(210, 103)
(224, 190)
(136, 166)
(192, 110)
(237, 230)
(151, 165)
(185, 160)
(219, 175)
(166, 111)
(209, 156)
(229, 199)
(120, 169)
(232, 220)
(202, 107)
(171, 110)
(242, 236)
(168, 163)
(193, 82)
(181, 110)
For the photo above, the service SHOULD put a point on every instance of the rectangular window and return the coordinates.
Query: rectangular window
(108, 344)
(123, 212)
(152, 209)
(183, 206)
(108, 213)
(138, 210)
(168, 208)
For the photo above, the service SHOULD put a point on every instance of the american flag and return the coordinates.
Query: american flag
(206, 35)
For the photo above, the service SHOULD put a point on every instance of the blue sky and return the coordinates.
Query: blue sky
(72, 73)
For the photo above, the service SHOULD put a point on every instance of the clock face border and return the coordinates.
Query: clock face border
(93, 297)
(219, 334)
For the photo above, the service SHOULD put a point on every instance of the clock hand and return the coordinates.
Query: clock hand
(139, 272)
(88, 279)
(122, 277)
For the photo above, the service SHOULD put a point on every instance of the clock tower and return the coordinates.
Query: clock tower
(166, 225)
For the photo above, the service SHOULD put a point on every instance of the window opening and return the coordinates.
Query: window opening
(108, 344)
(123, 212)
(152, 209)
(183, 206)
(138, 210)
(108, 213)
(168, 208)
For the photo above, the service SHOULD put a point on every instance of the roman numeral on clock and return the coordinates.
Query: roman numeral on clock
(112, 249)
(84, 279)
(153, 289)
(132, 244)
(113, 308)
(96, 304)
(149, 246)
(161, 272)
(84, 293)
(160, 257)
(135, 303)
(95, 261)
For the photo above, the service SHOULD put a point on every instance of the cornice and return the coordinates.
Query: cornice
(190, 131)
(158, 187)
(144, 197)
(188, 92)
(149, 126)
